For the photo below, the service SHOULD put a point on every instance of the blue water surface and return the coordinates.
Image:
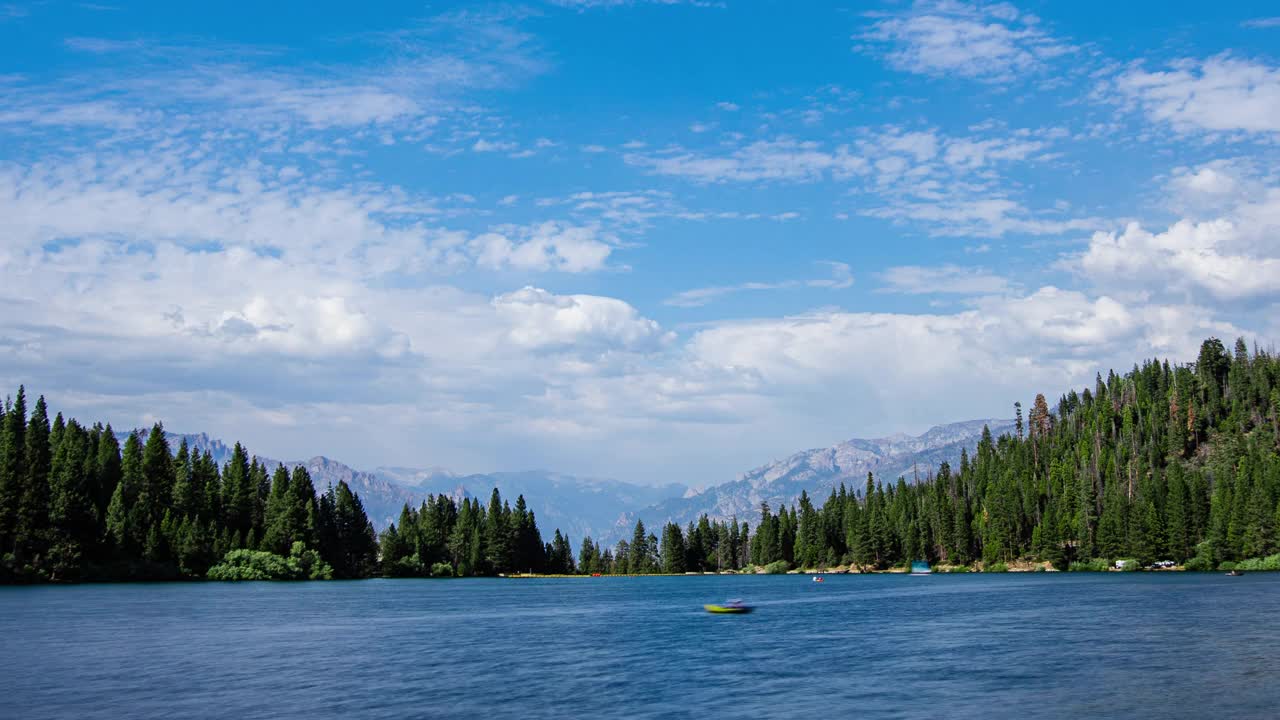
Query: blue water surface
(1133, 645)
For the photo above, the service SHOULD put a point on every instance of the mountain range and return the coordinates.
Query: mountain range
(608, 509)
(578, 506)
(818, 472)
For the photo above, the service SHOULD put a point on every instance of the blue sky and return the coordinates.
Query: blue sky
(659, 241)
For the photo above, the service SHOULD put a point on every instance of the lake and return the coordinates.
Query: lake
(1149, 645)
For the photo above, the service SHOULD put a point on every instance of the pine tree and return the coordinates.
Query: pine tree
(238, 493)
(673, 549)
(184, 492)
(31, 517)
(72, 515)
(108, 472)
(638, 552)
(125, 534)
(279, 531)
(157, 477)
(12, 467)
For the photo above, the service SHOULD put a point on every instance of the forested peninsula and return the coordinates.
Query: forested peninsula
(1166, 462)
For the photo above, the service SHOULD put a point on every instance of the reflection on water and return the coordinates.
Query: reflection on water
(1133, 645)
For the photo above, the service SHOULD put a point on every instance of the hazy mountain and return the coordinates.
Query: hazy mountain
(818, 471)
(607, 509)
(577, 506)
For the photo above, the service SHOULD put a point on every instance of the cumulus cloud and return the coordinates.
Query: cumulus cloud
(1224, 248)
(1187, 255)
(1223, 94)
(545, 247)
(540, 319)
(993, 43)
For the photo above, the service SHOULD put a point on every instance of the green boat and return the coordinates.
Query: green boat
(731, 607)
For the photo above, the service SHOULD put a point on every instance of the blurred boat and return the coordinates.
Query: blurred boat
(818, 578)
(920, 567)
(730, 607)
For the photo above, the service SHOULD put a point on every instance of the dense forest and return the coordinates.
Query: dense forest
(1166, 462)
(75, 505)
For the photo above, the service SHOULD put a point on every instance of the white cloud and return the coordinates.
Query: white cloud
(1187, 256)
(192, 88)
(992, 43)
(483, 145)
(582, 5)
(968, 214)
(1262, 23)
(728, 106)
(841, 278)
(545, 247)
(540, 319)
(101, 46)
(917, 280)
(951, 185)
(1220, 94)
(784, 159)
(156, 198)
(1225, 246)
(697, 297)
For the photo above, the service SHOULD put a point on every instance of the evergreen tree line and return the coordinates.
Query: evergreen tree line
(443, 538)
(75, 505)
(702, 547)
(1165, 462)
(1176, 462)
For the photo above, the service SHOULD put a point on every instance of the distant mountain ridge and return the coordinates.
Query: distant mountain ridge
(818, 471)
(577, 506)
(607, 509)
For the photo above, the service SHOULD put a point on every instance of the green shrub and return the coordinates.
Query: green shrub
(958, 569)
(1095, 565)
(1131, 565)
(1199, 564)
(996, 568)
(442, 569)
(405, 567)
(1269, 563)
(1227, 565)
(302, 564)
(777, 568)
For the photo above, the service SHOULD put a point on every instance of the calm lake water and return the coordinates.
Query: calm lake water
(1118, 645)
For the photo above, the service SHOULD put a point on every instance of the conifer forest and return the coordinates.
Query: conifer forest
(1166, 462)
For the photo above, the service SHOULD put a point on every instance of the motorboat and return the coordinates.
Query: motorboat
(730, 607)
